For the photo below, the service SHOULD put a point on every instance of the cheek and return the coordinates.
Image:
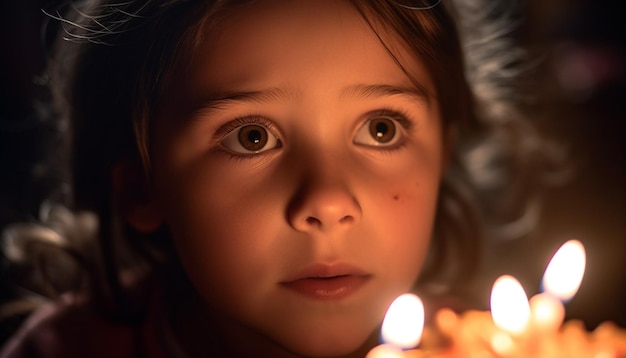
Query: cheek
(410, 214)
(221, 227)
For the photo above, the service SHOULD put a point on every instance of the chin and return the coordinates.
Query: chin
(326, 350)
(328, 345)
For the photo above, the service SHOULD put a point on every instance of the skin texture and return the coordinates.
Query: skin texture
(322, 191)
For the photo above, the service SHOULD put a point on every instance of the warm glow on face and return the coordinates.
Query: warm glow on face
(404, 322)
(565, 271)
(509, 305)
(291, 240)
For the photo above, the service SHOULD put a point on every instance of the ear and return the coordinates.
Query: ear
(133, 197)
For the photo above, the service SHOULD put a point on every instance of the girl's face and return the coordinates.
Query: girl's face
(297, 168)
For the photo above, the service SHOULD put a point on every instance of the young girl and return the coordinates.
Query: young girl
(266, 176)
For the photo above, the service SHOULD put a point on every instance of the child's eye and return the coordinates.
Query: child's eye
(250, 139)
(379, 131)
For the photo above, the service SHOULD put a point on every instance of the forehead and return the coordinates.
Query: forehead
(274, 40)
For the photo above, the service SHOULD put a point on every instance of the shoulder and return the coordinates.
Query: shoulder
(68, 328)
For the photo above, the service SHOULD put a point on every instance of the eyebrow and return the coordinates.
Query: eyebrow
(222, 99)
(359, 91)
(381, 90)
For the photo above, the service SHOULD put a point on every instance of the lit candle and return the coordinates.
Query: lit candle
(561, 281)
(402, 327)
(510, 312)
(509, 305)
(565, 271)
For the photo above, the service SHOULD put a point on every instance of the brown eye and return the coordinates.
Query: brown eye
(250, 139)
(382, 130)
(379, 131)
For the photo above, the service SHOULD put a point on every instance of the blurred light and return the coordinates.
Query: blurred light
(565, 271)
(509, 305)
(404, 322)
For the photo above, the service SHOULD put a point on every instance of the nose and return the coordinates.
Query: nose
(322, 205)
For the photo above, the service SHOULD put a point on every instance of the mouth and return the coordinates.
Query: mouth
(327, 282)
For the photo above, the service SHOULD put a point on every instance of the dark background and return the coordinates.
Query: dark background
(581, 50)
(581, 45)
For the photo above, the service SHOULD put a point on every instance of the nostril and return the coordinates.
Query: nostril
(313, 221)
(348, 219)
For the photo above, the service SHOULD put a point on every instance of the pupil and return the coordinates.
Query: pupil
(382, 129)
(253, 137)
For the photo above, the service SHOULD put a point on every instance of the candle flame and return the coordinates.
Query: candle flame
(565, 271)
(509, 305)
(404, 322)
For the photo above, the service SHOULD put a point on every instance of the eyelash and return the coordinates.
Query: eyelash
(222, 132)
(400, 117)
(242, 121)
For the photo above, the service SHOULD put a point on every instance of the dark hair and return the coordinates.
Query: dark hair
(114, 61)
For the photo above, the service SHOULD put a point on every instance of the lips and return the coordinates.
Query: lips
(327, 282)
